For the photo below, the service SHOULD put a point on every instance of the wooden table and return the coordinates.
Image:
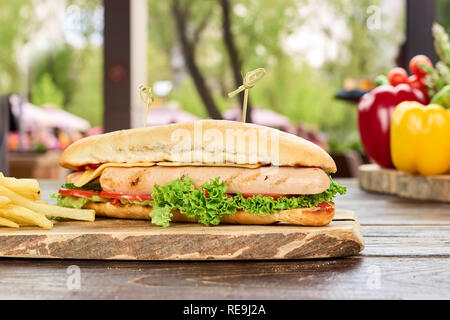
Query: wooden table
(407, 256)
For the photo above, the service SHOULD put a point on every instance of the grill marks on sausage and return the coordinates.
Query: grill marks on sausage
(249, 176)
(280, 181)
(134, 181)
(287, 180)
(227, 181)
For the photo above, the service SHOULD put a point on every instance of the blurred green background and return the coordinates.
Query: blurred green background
(308, 48)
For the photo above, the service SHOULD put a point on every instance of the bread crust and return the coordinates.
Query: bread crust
(203, 141)
(315, 216)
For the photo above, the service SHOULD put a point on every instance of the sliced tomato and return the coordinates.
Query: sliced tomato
(78, 193)
(115, 202)
(327, 206)
(103, 194)
(130, 197)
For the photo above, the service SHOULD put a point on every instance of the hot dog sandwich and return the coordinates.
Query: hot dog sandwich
(206, 171)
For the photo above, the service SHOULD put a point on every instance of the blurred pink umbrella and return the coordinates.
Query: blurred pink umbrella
(46, 117)
(263, 117)
(167, 115)
(31, 117)
(58, 118)
(94, 131)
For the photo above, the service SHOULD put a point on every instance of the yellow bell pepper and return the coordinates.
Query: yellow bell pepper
(420, 138)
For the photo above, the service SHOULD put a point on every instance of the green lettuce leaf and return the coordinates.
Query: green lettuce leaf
(261, 205)
(75, 202)
(181, 195)
(88, 186)
(69, 201)
(139, 203)
(161, 216)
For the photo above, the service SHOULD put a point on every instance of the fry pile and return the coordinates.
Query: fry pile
(20, 205)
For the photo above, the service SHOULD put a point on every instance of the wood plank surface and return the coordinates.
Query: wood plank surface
(345, 278)
(376, 179)
(120, 239)
(381, 209)
(405, 240)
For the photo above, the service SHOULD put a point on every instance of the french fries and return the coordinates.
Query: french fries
(29, 188)
(47, 209)
(8, 223)
(25, 216)
(20, 204)
(4, 201)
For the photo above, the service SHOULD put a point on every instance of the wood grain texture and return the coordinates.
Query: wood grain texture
(347, 278)
(115, 239)
(373, 178)
(406, 240)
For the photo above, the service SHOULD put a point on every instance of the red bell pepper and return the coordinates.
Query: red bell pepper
(374, 118)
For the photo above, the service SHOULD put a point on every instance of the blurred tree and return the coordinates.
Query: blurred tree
(233, 54)
(17, 25)
(77, 74)
(159, 67)
(46, 92)
(256, 30)
(162, 29)
(359, 54)
(87, 99)
(90, 17)
(61, 64)
(76, 71)
(182, 12)
(443, 14)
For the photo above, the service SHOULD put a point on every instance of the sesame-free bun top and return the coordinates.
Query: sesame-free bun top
(200, 141)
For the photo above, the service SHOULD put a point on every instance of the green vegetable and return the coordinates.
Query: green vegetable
(441, 43)
(139, 203)
(161, 216)
(69, 201)
(439, 76)
(442, 97)
(181, 195)
(88, 186)
(381, 80)
(75, 202)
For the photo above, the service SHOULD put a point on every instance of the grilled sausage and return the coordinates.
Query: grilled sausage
(285, 180)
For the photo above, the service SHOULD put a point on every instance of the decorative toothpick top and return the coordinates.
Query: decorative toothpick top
(249, 82)
(146, 97)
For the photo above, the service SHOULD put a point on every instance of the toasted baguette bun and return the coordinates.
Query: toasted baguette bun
(305, 217)
(202, 141)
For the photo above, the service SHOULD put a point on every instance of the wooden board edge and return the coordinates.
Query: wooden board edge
(373, 178)
(335, 243)
(384, 182)
(344, 215)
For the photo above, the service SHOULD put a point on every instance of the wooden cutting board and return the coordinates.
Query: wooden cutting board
(115, 239)
(375, 179)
